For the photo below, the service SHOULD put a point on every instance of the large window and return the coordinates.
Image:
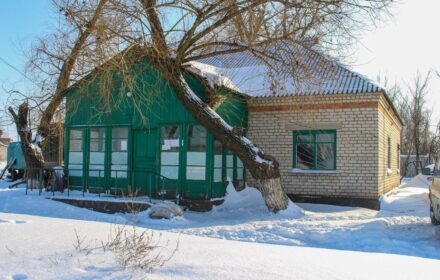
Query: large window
(119, 156)
(314, 150)
(76, 152)
(196, 154)
(169, 156)
(97, 152)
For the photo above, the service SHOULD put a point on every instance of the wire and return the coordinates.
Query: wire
(18, 71)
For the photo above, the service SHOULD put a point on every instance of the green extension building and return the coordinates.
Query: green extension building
(139, 139)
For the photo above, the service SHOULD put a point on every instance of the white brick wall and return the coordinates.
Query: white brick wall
(360, 131)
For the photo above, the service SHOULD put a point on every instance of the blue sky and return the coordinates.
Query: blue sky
(399, 47)
(21, 22)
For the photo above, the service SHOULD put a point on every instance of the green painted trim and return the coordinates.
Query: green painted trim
(314, 133)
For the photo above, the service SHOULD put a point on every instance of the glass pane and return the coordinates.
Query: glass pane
(304, 156)
(196, 138)
(170, 138)
(218, 154)
(97, 158)
(325, 157)
(76, 134)
(218, 160)
(170, 172)
(96, 170)
(325, 137)
(75, 170)
(119, 145)
(239, 163)
(119, 158)
(75, 145)
(229, 174)
(169, 158)
(229, 160)
(196, 158)
(217, 174)
(97, 133)
(240, 172)
(195, 173)
(119, 132)
(305, 138)
(75, 158)
(97, 145)
(119, 171)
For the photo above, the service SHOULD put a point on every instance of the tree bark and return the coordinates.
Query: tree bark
(264, 168)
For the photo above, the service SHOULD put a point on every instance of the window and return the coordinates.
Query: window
(97, 152)
(389, 153)
(119, 157)
(218, 161)
(76, 152)
(398, 156)
(196, 155)
(314, 150)
(169, 156)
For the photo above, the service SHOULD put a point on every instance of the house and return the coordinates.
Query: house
(335, 133)
(4, 142)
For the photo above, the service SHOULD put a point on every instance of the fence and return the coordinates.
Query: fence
(123, 182)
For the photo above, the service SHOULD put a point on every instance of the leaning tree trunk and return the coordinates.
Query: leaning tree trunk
(264, 168)
(31, 152)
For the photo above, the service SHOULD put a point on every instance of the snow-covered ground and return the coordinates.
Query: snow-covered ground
(237, 240)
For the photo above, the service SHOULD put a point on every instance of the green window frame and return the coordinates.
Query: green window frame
(314, 149)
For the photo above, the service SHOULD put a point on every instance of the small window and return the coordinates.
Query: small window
(314, 150)
(398, 156)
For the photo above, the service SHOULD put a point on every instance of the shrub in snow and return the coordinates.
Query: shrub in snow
(165, 210)
(131, 247)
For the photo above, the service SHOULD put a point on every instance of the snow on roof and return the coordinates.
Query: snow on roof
(309, 73)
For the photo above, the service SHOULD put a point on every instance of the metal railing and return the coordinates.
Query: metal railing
(129, 183)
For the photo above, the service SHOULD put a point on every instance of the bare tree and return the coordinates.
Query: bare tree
(174, 33)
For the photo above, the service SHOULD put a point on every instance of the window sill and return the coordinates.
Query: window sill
(305, 171)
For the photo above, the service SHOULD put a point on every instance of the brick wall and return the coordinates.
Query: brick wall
(357, 121)
(389, 127)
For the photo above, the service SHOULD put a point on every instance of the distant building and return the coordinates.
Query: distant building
(4, 141)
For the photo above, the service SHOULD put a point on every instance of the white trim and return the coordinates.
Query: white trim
(308, 171)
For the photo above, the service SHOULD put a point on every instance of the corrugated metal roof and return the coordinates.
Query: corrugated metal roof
(308, 73)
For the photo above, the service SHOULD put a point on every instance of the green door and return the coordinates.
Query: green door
(97, 158)
(197, 178)
(145, 178)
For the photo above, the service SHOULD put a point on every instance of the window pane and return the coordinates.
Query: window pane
(196, 138)
(196, 158)
(119, 171)
(76, 134)
(240, 172)
(75, 145)
(325, 137)
(305, 138)
(169, 158)
(229, 174)
(119, 158)
(325, 157)
(75, 158)
(170, 172)
(217, 174)
(75, 170)
(119, 132)
(304, 156)
(97, 158)
(170, 138)
(195, 173)
(97, 133)
(97, 145)
(96, 170)
(119, 145)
